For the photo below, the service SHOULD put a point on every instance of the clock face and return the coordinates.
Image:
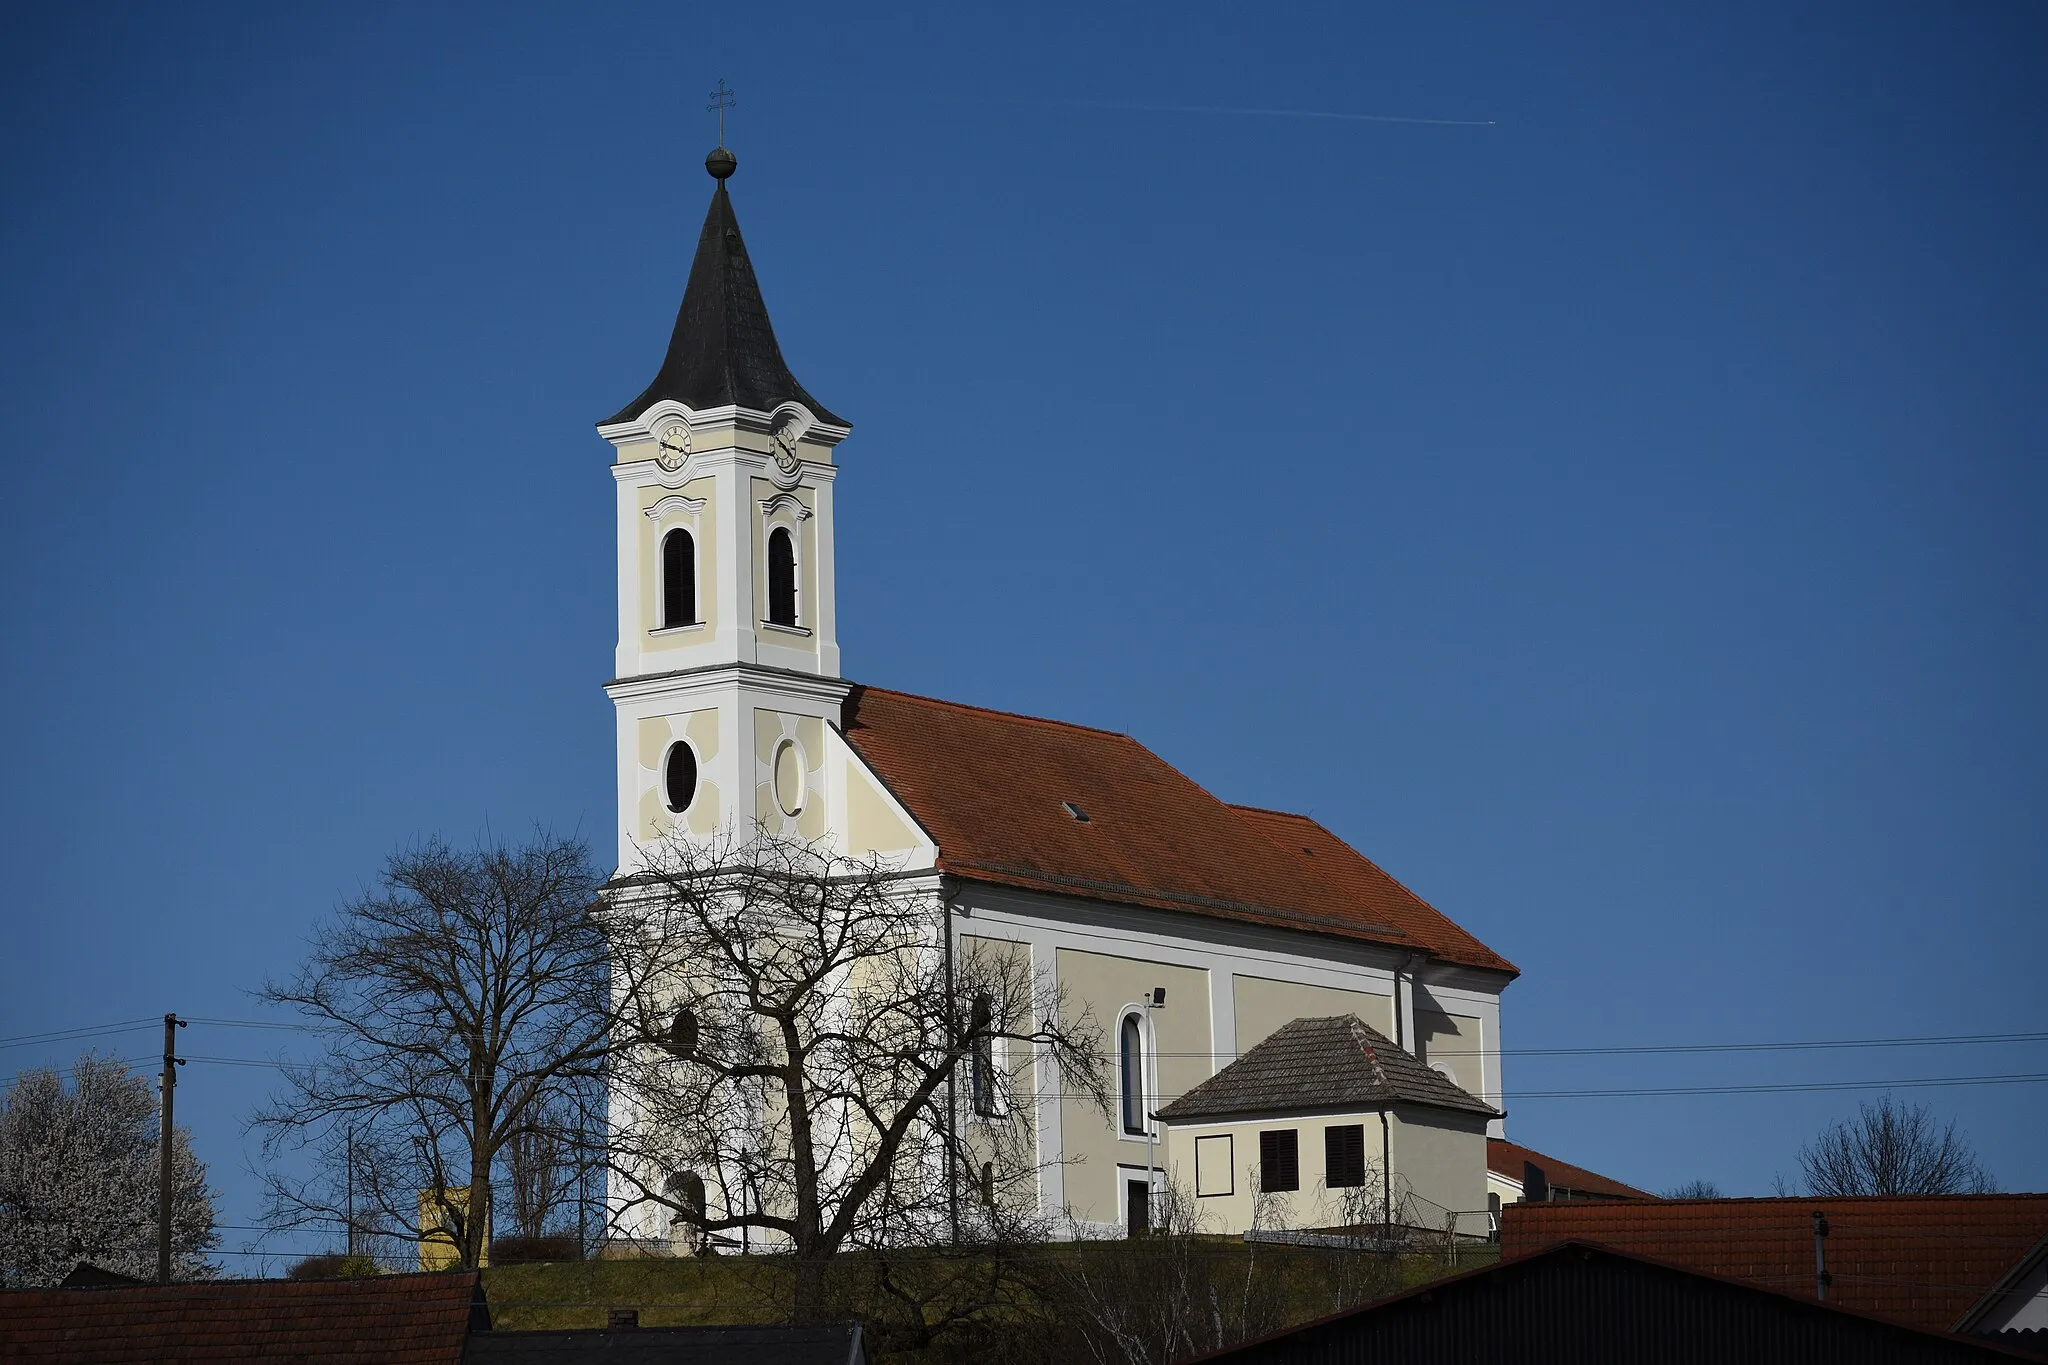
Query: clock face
(673, 446)
(787, 433)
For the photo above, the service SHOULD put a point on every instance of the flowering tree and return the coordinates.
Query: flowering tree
(78, 1179)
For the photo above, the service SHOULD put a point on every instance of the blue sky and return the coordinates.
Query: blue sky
(1621, 521)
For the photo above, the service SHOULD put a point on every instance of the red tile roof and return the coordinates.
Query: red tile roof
(1922, 1260)
(391, 1319)
(1506, 1158)
(988, 787)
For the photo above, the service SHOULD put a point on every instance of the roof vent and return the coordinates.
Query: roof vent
(1075, 811)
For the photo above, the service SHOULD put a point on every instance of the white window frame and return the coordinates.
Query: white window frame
(1148, 1078)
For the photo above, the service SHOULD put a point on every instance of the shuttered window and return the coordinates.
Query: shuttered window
(1344, 1156)
(1279, 1161)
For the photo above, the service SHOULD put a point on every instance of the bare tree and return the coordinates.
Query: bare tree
(1694, 1189)
(815, 1070)
(458, 1000)
(539, 1171)
(1893, 1148)
(78, 1179)
(1176, 1292)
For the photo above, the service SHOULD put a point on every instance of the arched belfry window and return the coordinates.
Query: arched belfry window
(1131, 1072)
(678, 579)
(781, 577)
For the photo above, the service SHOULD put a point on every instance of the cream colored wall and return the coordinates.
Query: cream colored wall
(1314, 1205)
(705, 532)
(706, 809)
(1015, 1129)
(1441, 1158)
(1263, 1005)
(1455, 1041)
(1090, 1140)
(771, 728)
(872, 822)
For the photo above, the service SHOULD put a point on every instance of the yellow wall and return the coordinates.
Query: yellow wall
(1014, 1129)
(439, 1249)
(872, 824)
(656, 733)
(1263, 1005)
(1441, 1157)
(706, 536)
(771, 728)
(1456, 1042)
(1090, 1140)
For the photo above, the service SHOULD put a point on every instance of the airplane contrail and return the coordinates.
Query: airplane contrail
(1265, 113)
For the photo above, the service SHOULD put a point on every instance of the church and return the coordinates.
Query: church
(1195, 930)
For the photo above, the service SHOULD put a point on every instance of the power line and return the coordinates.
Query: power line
(1802, 1087)
(1941, 1040)
(261, 1023)
(1614, 1092)
(83, 1031)
(1914, 1040)
(1949, 1040)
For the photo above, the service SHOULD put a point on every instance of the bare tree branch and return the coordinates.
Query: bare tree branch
(461, 1000)
(1893, 1148)
(784, 1077)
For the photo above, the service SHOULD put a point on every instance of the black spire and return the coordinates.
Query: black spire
(723, 351)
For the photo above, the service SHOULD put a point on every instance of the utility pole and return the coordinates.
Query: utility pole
(349, 1241)
(172, 1023)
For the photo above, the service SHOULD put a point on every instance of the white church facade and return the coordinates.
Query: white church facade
(1192, 928)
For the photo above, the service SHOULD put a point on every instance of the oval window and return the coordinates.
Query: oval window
(789, 779)
(679, 778)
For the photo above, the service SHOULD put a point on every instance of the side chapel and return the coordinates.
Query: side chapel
(1195, 929)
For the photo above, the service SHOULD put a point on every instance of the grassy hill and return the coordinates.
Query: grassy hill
(1040, 1290)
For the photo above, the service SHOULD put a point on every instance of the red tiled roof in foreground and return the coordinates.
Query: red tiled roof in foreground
(389, 1319)
(989, 786)
(1922, 1260)
(1506, 1158)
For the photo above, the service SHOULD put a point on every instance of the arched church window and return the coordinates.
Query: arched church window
(679, 778)
(1131, 1055)
(781, 577)
(678, 579)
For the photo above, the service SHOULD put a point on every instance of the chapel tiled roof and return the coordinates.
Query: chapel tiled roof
(389, 1319)
(1506, 1158)
(1922, 1260)
(991, 789)
(1339, 1062)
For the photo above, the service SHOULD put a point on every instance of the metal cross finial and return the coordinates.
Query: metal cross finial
(722, 99)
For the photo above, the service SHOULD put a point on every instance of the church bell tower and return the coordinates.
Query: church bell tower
(727, 671)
